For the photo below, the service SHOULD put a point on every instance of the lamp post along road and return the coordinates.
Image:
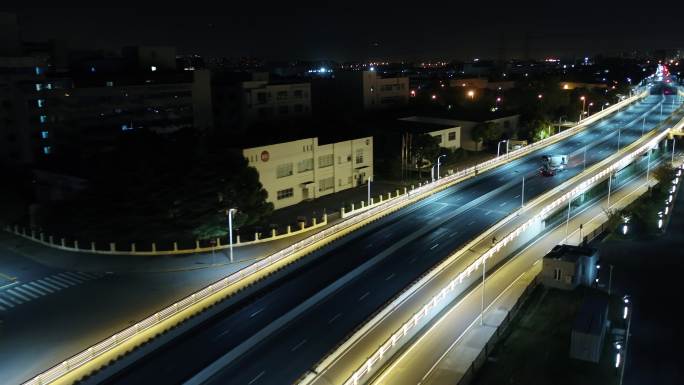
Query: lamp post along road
(522, 194)
(674, 141)
(370, 179)
(438, 164)
(230, 232)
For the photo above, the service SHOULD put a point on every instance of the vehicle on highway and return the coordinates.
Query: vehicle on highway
(551, 164)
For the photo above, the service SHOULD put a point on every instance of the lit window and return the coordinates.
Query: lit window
(43, 118)
(92, 69)
(38, 71)
(44, 134)
(41, 103)
(110, 84)
(126, 127)
(49, 86)
(153, 68)
(39, 86)
(47, 150)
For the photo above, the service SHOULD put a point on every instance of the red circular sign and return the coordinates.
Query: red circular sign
(265, 156)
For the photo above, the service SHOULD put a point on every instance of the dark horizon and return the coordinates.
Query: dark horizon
(372, 32)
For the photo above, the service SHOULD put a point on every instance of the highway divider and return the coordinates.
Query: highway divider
(99, 355)
(598, 173)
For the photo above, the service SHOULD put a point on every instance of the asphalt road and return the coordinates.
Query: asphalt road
(413, 240)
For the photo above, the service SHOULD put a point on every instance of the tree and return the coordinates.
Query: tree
(664, 173)
(486, 132)
(425, 149)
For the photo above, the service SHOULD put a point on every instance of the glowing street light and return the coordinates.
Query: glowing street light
(230, 213)
(471, 94)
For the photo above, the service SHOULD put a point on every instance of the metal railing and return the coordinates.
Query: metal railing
(329, 234)
(436, 300)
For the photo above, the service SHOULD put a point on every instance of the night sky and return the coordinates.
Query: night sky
(374, 30)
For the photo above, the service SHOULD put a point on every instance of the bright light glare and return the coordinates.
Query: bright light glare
(624, 229)
(617, 360)
(624, 313)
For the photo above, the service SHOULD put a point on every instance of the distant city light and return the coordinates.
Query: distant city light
(471, 94)
(153, 68)
(434, 96)
(372, 68)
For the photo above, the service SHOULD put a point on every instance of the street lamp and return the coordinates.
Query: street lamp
(438, 164)
(559, 123)
(584, 101)
(370, 179)
(498, 146)
(471, 94)
(589, 107)
(230, 213)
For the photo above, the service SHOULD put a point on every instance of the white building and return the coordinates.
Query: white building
(304, 169)
(369, 91)
(447, 131)
(266, 100)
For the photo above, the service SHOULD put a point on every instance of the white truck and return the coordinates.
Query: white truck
(551, 164)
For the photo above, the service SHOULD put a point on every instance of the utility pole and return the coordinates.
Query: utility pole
(484, 270)
(610, 279)
(522, 195)
(567, 221)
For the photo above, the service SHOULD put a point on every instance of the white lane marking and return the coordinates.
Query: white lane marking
(369, 245)
(412, 260)
(52, 285)
(390, 277)
(18, 295)
(488, 212)
(257, 312)
(23, 290)
(361, 298)
(433, 246)
(33, 290)
(299, 345)
(503, 204)
(517, 196)
(257, 377)
(470, 223)
(334, 318)
(8, 303)
(60, 280)
(12, 298)
(37, 285)
(77, 275)
(453, 234)
(72, 280)
(388, 235)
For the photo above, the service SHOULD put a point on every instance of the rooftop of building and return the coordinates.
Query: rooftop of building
(570, 253)
(591, 317)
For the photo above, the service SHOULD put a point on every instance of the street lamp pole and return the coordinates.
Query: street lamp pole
(370, 178)
(230, 232)
(584, 161)
(438, 164)
(674, 141)
(619, 133)
(522, 194)
(498, 147)
(643, 126)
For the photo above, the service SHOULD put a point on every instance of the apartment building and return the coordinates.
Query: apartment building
(368, 90)
(299, 170)
(446, 131)
(244, 99)
(50, 114)
(265, 100)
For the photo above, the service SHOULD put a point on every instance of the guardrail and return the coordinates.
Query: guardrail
(215, 292)
(73, 246)
(436, 300)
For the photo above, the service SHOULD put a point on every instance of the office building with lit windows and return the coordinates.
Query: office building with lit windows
(304, 169)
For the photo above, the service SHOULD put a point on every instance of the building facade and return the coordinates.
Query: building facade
(264, 100)
(367, 90)
(446, 131)
(45, 113)
(305, 169)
